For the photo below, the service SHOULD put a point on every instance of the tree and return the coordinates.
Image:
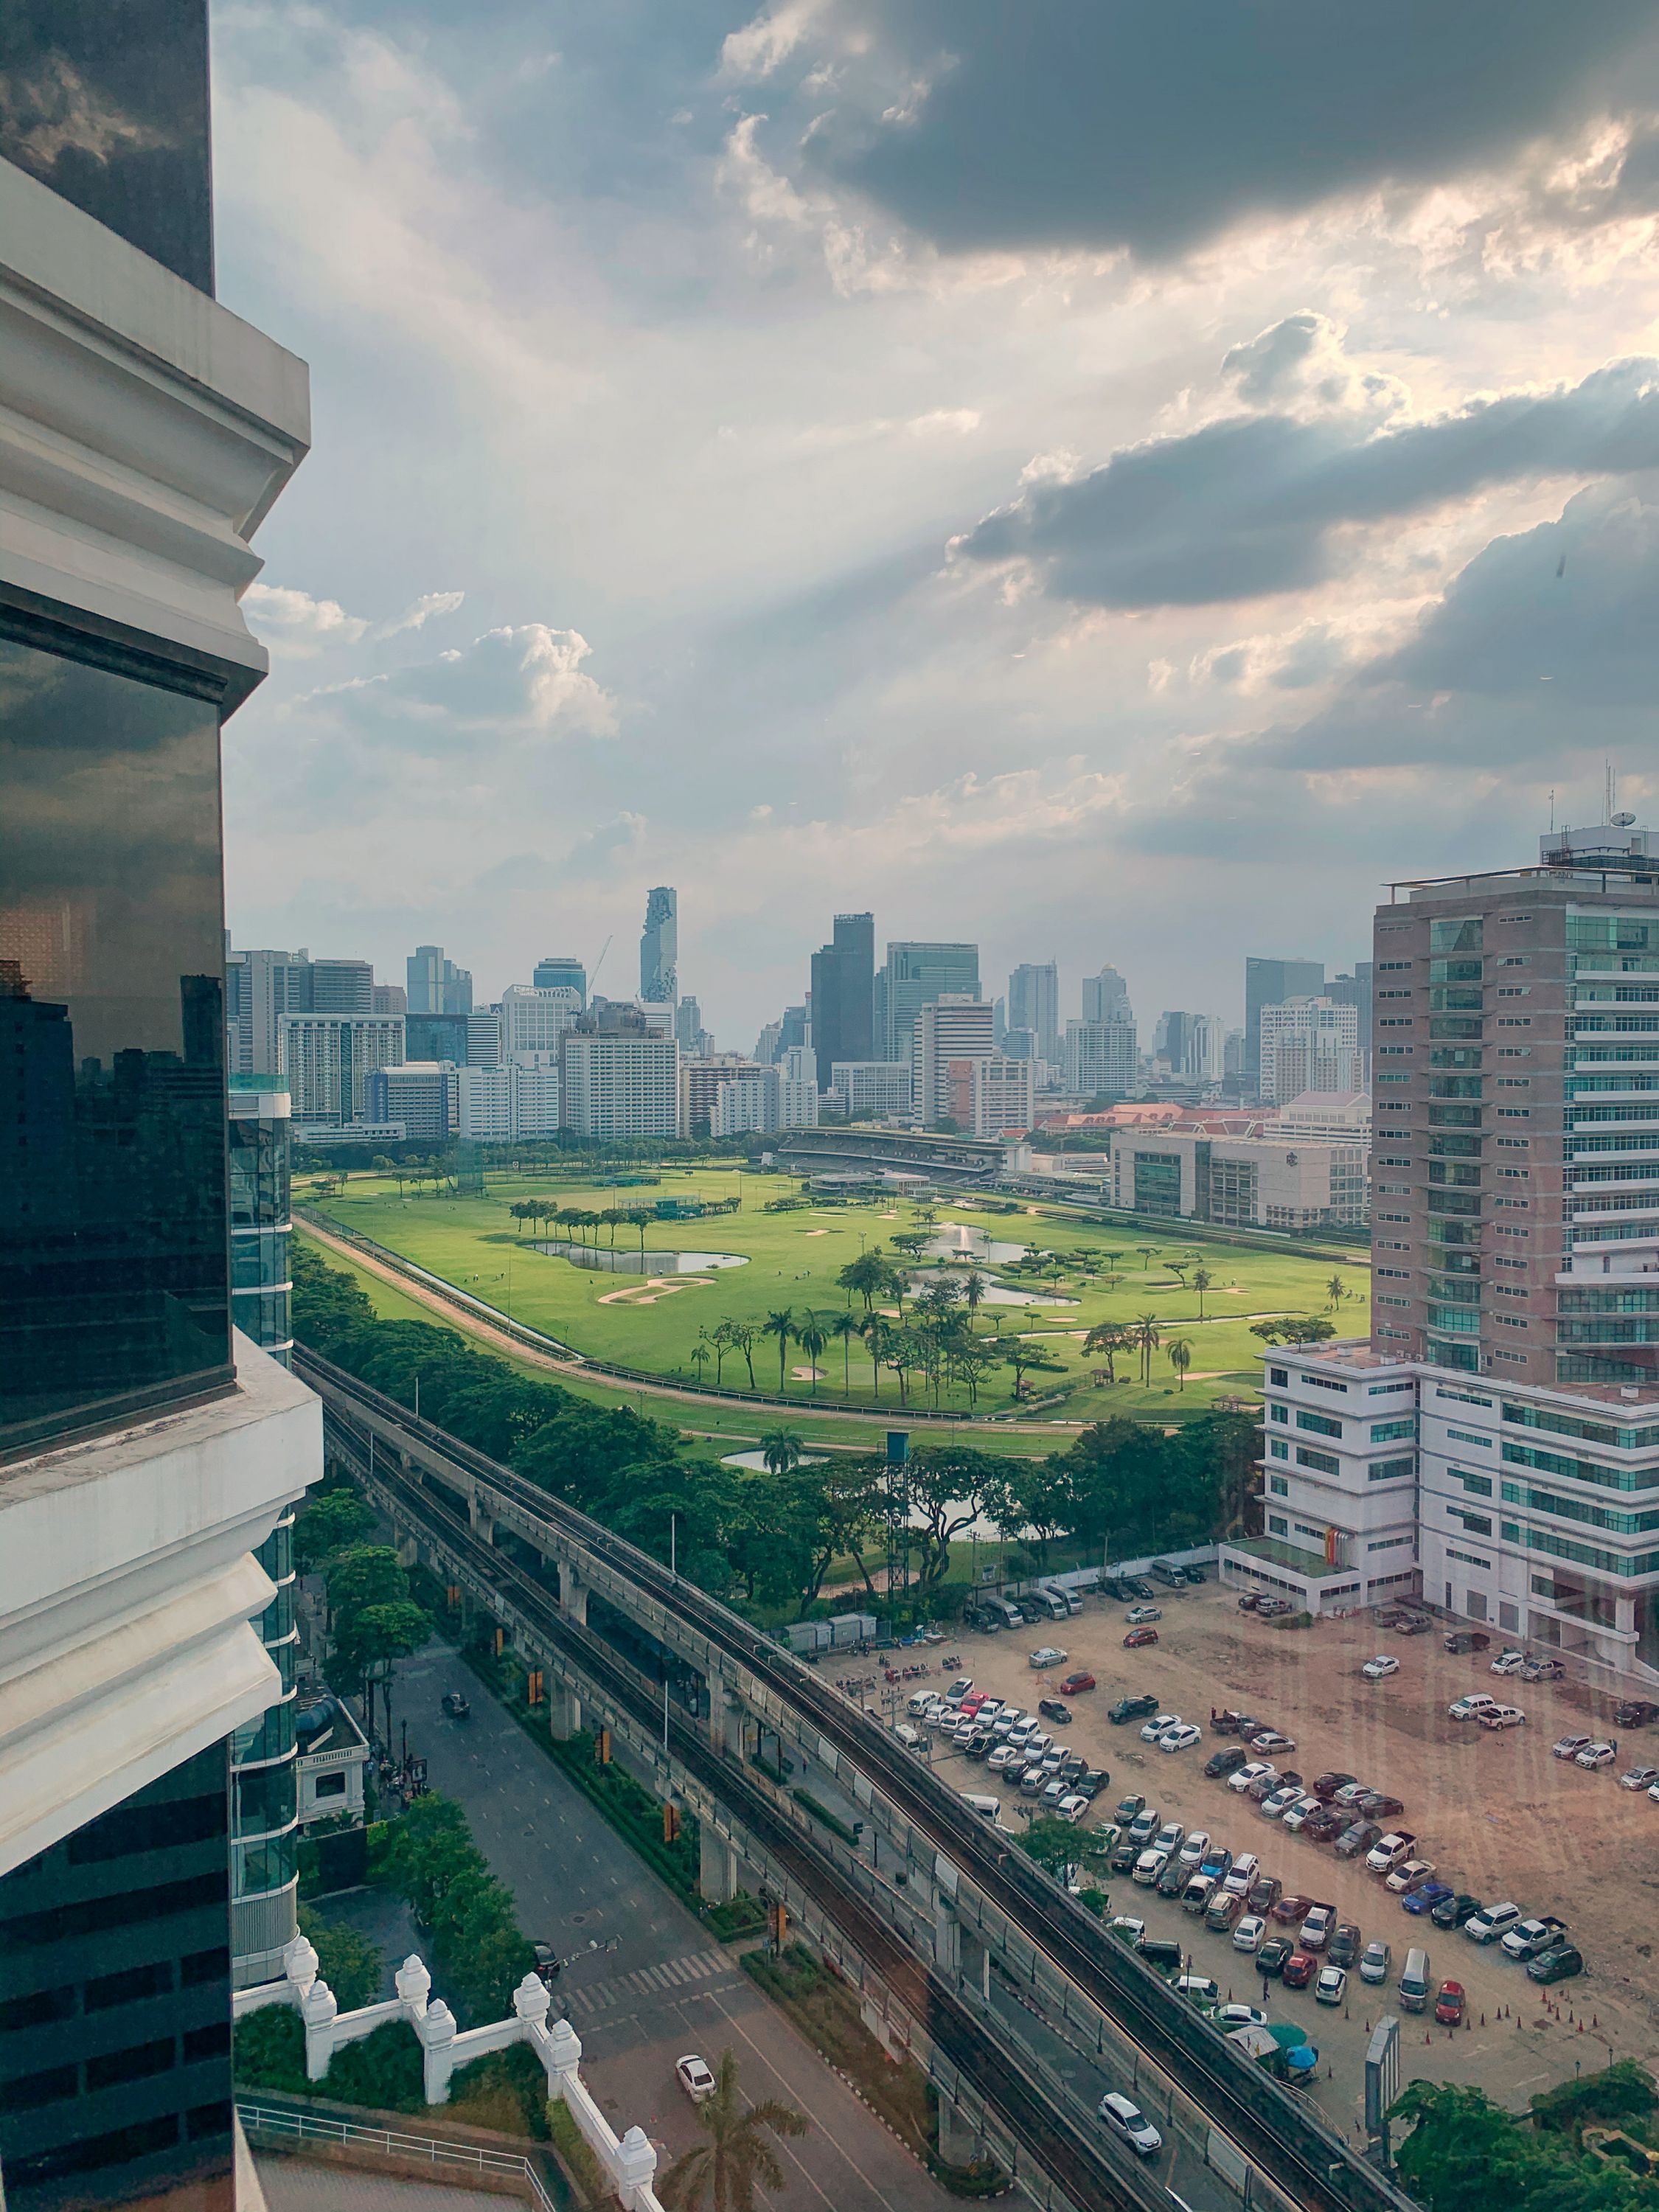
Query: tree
(1180, 1357)
(780, 1324)
(1294, 1328)
(1335, 1290)
(813, 1340)
(1024, 1355)
(1147, 1335)
(1107, 1339)
(352, 1967)
(782, 1450)
(720, 1338)
(1147, 1253)
(723, 2171)
(866, 1276)
(383, 1634)
(701, 1352)
(743, 1340)
(333, 1520)
(1202, 1281)
(973, 1287)
(944, 1490)
(874, 1330)
(844, 1328)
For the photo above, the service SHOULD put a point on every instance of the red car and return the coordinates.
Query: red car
(1299, 1969)
(1074, 1684)
(1292, 1910)
(1138, 1638)
(1449, 2004)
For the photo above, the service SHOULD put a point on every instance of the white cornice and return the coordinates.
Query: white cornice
(144, 434)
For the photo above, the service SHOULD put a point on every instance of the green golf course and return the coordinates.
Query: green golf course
(655, 1294)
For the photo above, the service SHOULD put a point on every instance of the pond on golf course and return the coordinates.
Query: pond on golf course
(956, 1242)
(647, 1263)
(994, 1294)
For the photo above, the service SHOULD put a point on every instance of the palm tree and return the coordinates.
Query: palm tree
(846, 1328)
(701, 1352)
(1180, 1357)
(1147, 1252)
(973, 1287)
(780, 1324)
(723, 2171)
(1147, 1335)
(782, 1450)
(812, 1339)
(1336, 1290)
(1202, 1280)
(874, 1333)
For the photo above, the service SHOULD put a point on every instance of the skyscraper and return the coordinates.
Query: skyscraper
(660, 948)
(137, 1562)
(324, 1061)
(616, 1077)
(436, 986)
(1105, 996)
(952, 1028)
(1034, 1004)
(560, 971)
(913, 976)
(1310, 1045)
(1272, 983)
(842, 975)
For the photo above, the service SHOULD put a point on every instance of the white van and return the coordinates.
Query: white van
(1045, 1598)
(911, 1739)
(1059, 1595)
(920, 1700)
(1009, 1616)
(987, 1807)
(1414, 1982)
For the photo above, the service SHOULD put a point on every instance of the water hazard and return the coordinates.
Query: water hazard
(956, 1242)
(603, 1260)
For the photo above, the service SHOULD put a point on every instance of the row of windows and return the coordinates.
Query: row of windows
(1579, 1508)
(1583, 1555)
(29, 2093)
(118, 2146)
(133, 1985)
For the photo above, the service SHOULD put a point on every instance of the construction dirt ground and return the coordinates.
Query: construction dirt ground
(1498, 1814)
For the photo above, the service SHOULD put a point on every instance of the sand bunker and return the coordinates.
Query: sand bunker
(654, 1287)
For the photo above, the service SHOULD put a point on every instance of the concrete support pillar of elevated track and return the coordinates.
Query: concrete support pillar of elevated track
(973, 1970)
(719, 1869)
(480, 1519)
(564, 1712)
(573, 1594)
(958, 2144)
(947, 1940)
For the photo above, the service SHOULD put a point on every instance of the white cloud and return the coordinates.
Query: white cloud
(510, 683)
(300, 624)
(419, 612)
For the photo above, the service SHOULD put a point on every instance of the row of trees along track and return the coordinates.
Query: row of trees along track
(1283, 2135)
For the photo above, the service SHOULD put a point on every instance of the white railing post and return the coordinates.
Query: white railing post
(318, 2009)
(436, 2029)
(635, 2165)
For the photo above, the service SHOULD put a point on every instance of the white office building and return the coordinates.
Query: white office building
(327, 1060)
(531, 1019)
(798, 1089)
(745, 1104)
(955, 1027)
(620, 1084)
(1310, 1044)
(871, 1089)
(503, 1105)
(1102, 1058)
(986, 1094)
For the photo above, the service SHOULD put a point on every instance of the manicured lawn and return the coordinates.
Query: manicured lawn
(792, 1260)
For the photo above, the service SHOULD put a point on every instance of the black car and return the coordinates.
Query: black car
(1270, 1958)
(1345, 1945)
(1194, 1576)
(1557, 1965)
(1139, 1587)
(978, 1745)
(1092, 1782)
(1453, 1911)
(1637, 1712)
(455, 1706)
(1056, 1709)
(1128, 1850)
(1157, 1951)
(1174, 1878)
(1227, 1762)
(1132, 1709)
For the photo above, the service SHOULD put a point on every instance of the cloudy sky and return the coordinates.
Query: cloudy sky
(1115, 479)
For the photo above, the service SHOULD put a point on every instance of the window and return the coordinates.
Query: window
(1475, 1524)
(1277, 1525)
(132, 2064)
(1477, 1485)
(1278, 1486)
(29, 2092)
(1277, 1447)
(1321, 1462)
(1278, 1375)
(330, 1785)
(1385, 1432)
(1388, 1543)
(1390, 1470)
(1468, 1559)
(1320, 1424)
(1276, 1413)
(128, 1988)
(1324, 1382)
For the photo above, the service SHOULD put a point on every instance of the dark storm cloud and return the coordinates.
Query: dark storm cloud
(1155, 124)
(1255, 504)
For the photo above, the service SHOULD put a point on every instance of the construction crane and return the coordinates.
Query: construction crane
(594, 976)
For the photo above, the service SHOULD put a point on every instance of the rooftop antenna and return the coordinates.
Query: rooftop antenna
(1551, 809)
(1611, 794)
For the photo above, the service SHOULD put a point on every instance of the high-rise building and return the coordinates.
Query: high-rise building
(1206, 1059)
(1310, 1044)
(955, 1027)
(1102, 1058)
(560, 971)
(795, 1029)
(871, 1089)
(425, 1096)
(798, 1089)
(261, 986)
(660, 948)
(689, 1032)
(1272, 983)
(501, 1105)
(700, 1087)
(913, 976)
(768, 1044)
(389, 998)
(1495, 1441)
(616, 1077)
(534, 1016)
(1034, 1004)
(437, 986)
(147, 433)
(987, 1093)
(844, 973)
(1105, 997)
(325, 1060)
(1355, 991)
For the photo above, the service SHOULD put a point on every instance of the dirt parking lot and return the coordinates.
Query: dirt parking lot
(1498, 1814)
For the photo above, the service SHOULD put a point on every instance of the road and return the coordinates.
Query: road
(667, 1987)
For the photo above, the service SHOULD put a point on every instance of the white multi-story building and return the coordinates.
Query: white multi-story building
(1102, 1058)
(1205, 1060)
(871, 1090)
(423, 1095)
(518, 1100)
(986, 1094)
(955, 1027)
(327, 1060)
(1240, 1183)
(532, 1019)
(1310, 1044)
(744, 1104)
(798, 1089)
(1340, 1117)
(620, 1082)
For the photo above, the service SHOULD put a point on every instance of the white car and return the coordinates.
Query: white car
(1639, 1778)
(1169, 1837)
(1380, 1668)
(1126, 1924)
(1049, 1656)
(1271, 1739)
(1155, 1727)
(1300, 1812)
(1125, 2120)
(1249, 1932)
(1142, 1616)
(1038, 1742)
(1197, 1842)
(1254, 1770)
(1149, 1866)
(1004, 1757)
(1502, 1716)
(1388, 1851)
(1183, 1738)
(1472, 1707)
(1278, 1802)
(1203, 1988)
(1409, 1876)
(1331, 1987)
(1491, 1922)
(1597, 1755)
(1239, 2016)
(1242, 1873)
(693, 2076)
(1509, 1662)
(1072, 1808)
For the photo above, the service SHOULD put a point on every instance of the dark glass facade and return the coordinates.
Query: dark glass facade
(107, 102)
(115, 2004)
(114, 1268)
(261, 1150)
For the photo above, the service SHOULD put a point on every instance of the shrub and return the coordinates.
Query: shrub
(507, 2090)
(383, 2071)
(267, 2051)
(352, 1967)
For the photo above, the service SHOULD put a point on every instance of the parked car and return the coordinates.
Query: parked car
(1271, 1956)
(1378, 1805)
(1217, 1862)
(1130, 1806)
(1148, 1867)
(1460, 1640)
(1453, 1911)
(1125, 1923)
(1174, 1878)
(1636, 1712)
(1325, 1786)
(1273, 1608)
(1509, 1662)
(1181, 1737)
(1193, 1850)
(1568, 1748)
(1502, 1716)
(1379, 1669)
(1556, 1966)
(1346, 1944)
(1324, 1826)
(1124, 2118)
(1156, 1726)
(1253, 1771)
(1388, 1852)
(1423, 1900)
(1131, 1709)
(1315, 1932)
(1529, 1938)
(1543, 1670)
(1145, 1825)
(1414, 1624)
(1332, 1986)
(1410, 1875)
(1248, 1932)
(1225, 1907)
(1280, 1801)
(456, 1706)
(1265, 1891)
(1076, 1683)
(1299, 1969)
(1450, 2002)
(1358, 1838)
(1226, 1761)
(1375, 1960)
(1125, 1852)
(1491, 1922)
(1299, 1815)
(1170, 1837)
(1142, 1616)
(1595, 1756)
(1639, 1778)
(1172, 1578)
(1230, 2016)
(695, 2077)
(1139, 1638)
(1202, 1989)
(1272, 1740)
(1292, 1911)
(1196, 1897)
(1471, 1707)
(1047, 1655)
(1072, 1807)
(1242, 1873)
(1346, 1799)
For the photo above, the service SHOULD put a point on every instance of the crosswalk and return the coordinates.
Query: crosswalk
(668, 1976)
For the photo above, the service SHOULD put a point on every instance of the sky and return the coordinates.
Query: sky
(1115, 480)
